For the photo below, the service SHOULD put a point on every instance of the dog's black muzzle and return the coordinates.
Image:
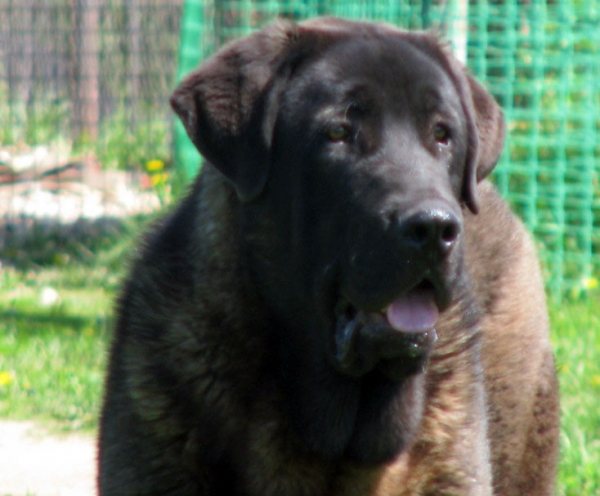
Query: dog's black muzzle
(386, 315)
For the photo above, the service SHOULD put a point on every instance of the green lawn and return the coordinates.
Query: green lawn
(55, 322)
(55, 310)
(52, 353)
(576, 338)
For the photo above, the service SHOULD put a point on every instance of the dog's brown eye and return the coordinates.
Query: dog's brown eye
(441, 134)
(338, 132)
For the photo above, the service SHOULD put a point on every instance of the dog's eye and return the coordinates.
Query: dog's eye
(441, 134)
(338, 132)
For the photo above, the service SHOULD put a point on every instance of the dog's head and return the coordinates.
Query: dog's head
(353, 149)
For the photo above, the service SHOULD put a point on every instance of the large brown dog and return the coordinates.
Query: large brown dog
(342, 305)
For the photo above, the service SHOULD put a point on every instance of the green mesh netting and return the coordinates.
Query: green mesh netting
(542, 62)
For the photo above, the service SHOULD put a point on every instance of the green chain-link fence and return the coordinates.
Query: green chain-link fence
(91, 79)
(542, 62)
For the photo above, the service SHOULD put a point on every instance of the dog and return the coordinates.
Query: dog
(342, 304)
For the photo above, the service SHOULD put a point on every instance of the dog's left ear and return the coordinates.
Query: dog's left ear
(486, 137)
(227, 106)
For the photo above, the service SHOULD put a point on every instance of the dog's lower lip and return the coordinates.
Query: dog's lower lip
(397, 342)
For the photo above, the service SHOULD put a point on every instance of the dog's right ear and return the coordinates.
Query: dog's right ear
(228, 105)
(486, 129)
(486, 137)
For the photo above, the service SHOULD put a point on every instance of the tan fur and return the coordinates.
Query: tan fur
(517, 356)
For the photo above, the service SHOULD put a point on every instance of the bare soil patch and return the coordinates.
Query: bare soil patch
(35, 463)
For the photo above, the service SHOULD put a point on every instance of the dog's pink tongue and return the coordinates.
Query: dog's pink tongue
(416, 311)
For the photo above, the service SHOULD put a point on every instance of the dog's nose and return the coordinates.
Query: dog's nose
(432, 230)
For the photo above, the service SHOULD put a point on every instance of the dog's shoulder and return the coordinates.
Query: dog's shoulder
(500, 252)
(190, 255)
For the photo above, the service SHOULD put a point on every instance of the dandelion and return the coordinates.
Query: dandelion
(155, 165)
(6, 378)
(159, 179)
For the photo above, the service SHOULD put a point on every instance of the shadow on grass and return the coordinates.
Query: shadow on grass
(27, 243)
(38, 322)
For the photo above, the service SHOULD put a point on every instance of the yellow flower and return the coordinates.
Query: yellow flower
(590, 283)
(158, 179)
(155, 165)
(6, 378)
(596, 380)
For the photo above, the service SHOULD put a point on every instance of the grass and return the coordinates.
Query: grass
(54, 325)
(53, 352)
(576, 338)
(52, 348)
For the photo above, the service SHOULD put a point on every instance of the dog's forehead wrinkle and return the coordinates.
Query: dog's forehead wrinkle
(437, 94)
(404, 90)
(383, 57)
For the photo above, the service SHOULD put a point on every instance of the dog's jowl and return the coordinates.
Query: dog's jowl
(342, 305)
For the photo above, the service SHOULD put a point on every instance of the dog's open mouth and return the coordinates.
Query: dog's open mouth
(396, 341)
